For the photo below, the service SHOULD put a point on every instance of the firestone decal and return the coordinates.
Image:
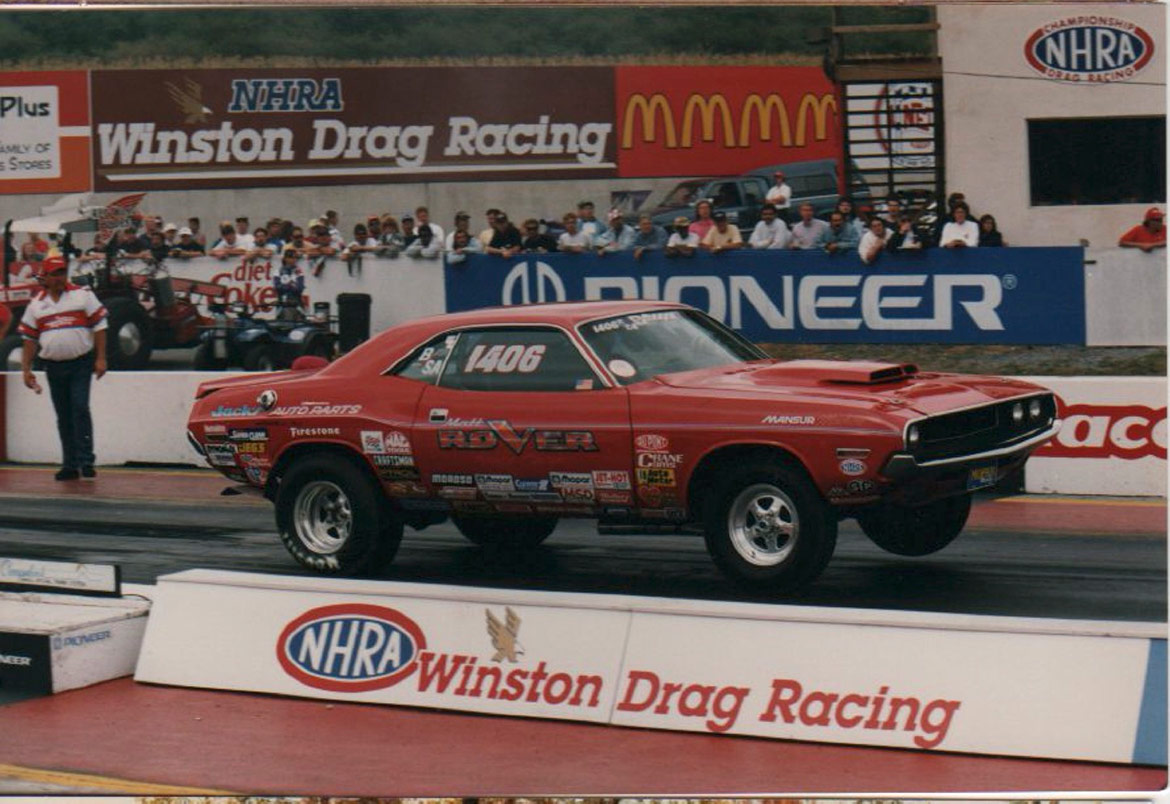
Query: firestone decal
(313, 432)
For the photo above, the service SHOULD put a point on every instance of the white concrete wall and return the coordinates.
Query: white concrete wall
(141, 416)
(1125, 297)
(990, 93)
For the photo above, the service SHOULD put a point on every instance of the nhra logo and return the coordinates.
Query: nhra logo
(286, 95)
(1089, 49)
(350, 647)
(1108, 431)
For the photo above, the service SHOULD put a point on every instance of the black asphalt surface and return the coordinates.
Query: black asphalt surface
(1093, 576)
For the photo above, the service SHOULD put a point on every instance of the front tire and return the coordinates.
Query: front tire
(333, 520)
(917, 531)
(509, 534)
(767, 527)
(259, 358)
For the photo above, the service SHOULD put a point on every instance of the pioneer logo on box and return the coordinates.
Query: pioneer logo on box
(350, 647)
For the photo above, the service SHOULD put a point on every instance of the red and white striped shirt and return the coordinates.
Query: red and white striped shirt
(63, 328)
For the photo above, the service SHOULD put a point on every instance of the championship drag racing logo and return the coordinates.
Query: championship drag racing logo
(350, 647)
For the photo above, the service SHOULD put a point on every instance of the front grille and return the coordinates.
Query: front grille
(967, 432)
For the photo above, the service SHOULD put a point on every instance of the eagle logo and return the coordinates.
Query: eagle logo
(504, 635)
(189, 99)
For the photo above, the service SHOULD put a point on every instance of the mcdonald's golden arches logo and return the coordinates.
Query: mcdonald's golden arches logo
(758, 115)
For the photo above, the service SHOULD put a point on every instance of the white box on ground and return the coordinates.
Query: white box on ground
(52, 642)
(923, 681)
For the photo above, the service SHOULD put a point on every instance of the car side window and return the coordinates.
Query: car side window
(517, 359)
(427, 361)
(817, 184)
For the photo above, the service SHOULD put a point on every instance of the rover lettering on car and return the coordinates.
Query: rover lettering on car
(507, 419)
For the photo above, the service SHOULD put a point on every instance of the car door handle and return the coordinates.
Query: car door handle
(438, 415)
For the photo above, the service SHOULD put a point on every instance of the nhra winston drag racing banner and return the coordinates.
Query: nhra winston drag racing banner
(981, 296)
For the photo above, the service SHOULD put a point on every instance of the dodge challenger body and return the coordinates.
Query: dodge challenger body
(507, 419)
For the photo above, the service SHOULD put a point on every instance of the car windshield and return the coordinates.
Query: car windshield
(637, 346)
(683, 195)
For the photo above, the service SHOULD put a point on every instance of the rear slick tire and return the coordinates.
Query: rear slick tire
(767, 527)
(333, 518)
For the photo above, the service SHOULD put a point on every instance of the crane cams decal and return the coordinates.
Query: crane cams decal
(350, 647)
(500, 431)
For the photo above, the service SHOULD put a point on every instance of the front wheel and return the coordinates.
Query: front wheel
(766, 526)
(332, 519)
(259, 358)
(128, 337)
(917, 531)
(513, 534)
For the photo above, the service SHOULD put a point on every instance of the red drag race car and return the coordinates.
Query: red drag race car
(509, 418)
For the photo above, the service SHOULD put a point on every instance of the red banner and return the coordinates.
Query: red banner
(697, 121)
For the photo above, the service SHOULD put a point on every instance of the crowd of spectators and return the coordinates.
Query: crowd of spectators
(847, 229)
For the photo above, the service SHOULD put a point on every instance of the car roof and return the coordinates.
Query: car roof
(414, 332)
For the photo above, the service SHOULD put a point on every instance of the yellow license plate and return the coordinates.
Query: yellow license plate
(980, 477)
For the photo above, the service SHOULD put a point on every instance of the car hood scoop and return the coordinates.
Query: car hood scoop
(846, 372)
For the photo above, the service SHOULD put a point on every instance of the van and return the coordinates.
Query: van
(741, 197)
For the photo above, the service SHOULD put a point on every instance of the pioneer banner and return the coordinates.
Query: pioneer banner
(1016, 295)
(716, 121)
(198, 129)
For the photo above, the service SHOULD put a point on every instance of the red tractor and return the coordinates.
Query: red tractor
(148, 308)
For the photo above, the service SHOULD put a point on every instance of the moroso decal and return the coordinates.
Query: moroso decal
(502, 431)
(1089, 49)
(1108, 431)
(350, 647)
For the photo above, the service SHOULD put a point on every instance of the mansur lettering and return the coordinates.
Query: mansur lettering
(350, 647)
(1089, 49)
(789, 702)
(714, 114)
(856, 302)
(1108, 431)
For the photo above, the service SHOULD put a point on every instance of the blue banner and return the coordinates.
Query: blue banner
(977, 295)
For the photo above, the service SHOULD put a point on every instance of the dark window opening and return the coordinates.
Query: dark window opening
(1097, 161)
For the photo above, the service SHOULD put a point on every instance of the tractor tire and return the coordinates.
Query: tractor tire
(205, 359)
(259, 358)
(129, 336)
(11, 349)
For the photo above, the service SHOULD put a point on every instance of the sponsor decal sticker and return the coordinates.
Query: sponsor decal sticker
(1128, 432)
(504, 359)
(536, 484)
(350, 647)
(228, 412)
(652, 442)
(444, 479)
(656, 477)
(397, 443)
(211, 430)
(393, 460)
(313, 432)
(500, 431)
(220, 455)
(852, 466)
(606, 479)
(252, 448)
(256, 475)
(315, 409)
(458, 493)
(659, 460)
(495, 483)
(785, 419)
(250, 434)
(613, 497)
(373, 442)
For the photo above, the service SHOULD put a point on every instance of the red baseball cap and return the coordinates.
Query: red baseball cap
(52, 264)
(1153, 214)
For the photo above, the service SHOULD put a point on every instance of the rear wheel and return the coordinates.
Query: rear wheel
(259, 358)
(128, 338)
(917, 531)
(512, 534)
(766, 526)
(11, 349)
(332, 518)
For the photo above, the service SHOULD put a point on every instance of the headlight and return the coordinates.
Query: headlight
(1034, 409)
(297, 335)
(912, 436)
(1018, 413)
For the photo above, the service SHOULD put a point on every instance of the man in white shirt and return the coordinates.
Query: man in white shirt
(779, 194)
(682, 241)
(67, 325)
(770, 232)
(573, 240)
(422, 217)
(806, 232)
(961, 232)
